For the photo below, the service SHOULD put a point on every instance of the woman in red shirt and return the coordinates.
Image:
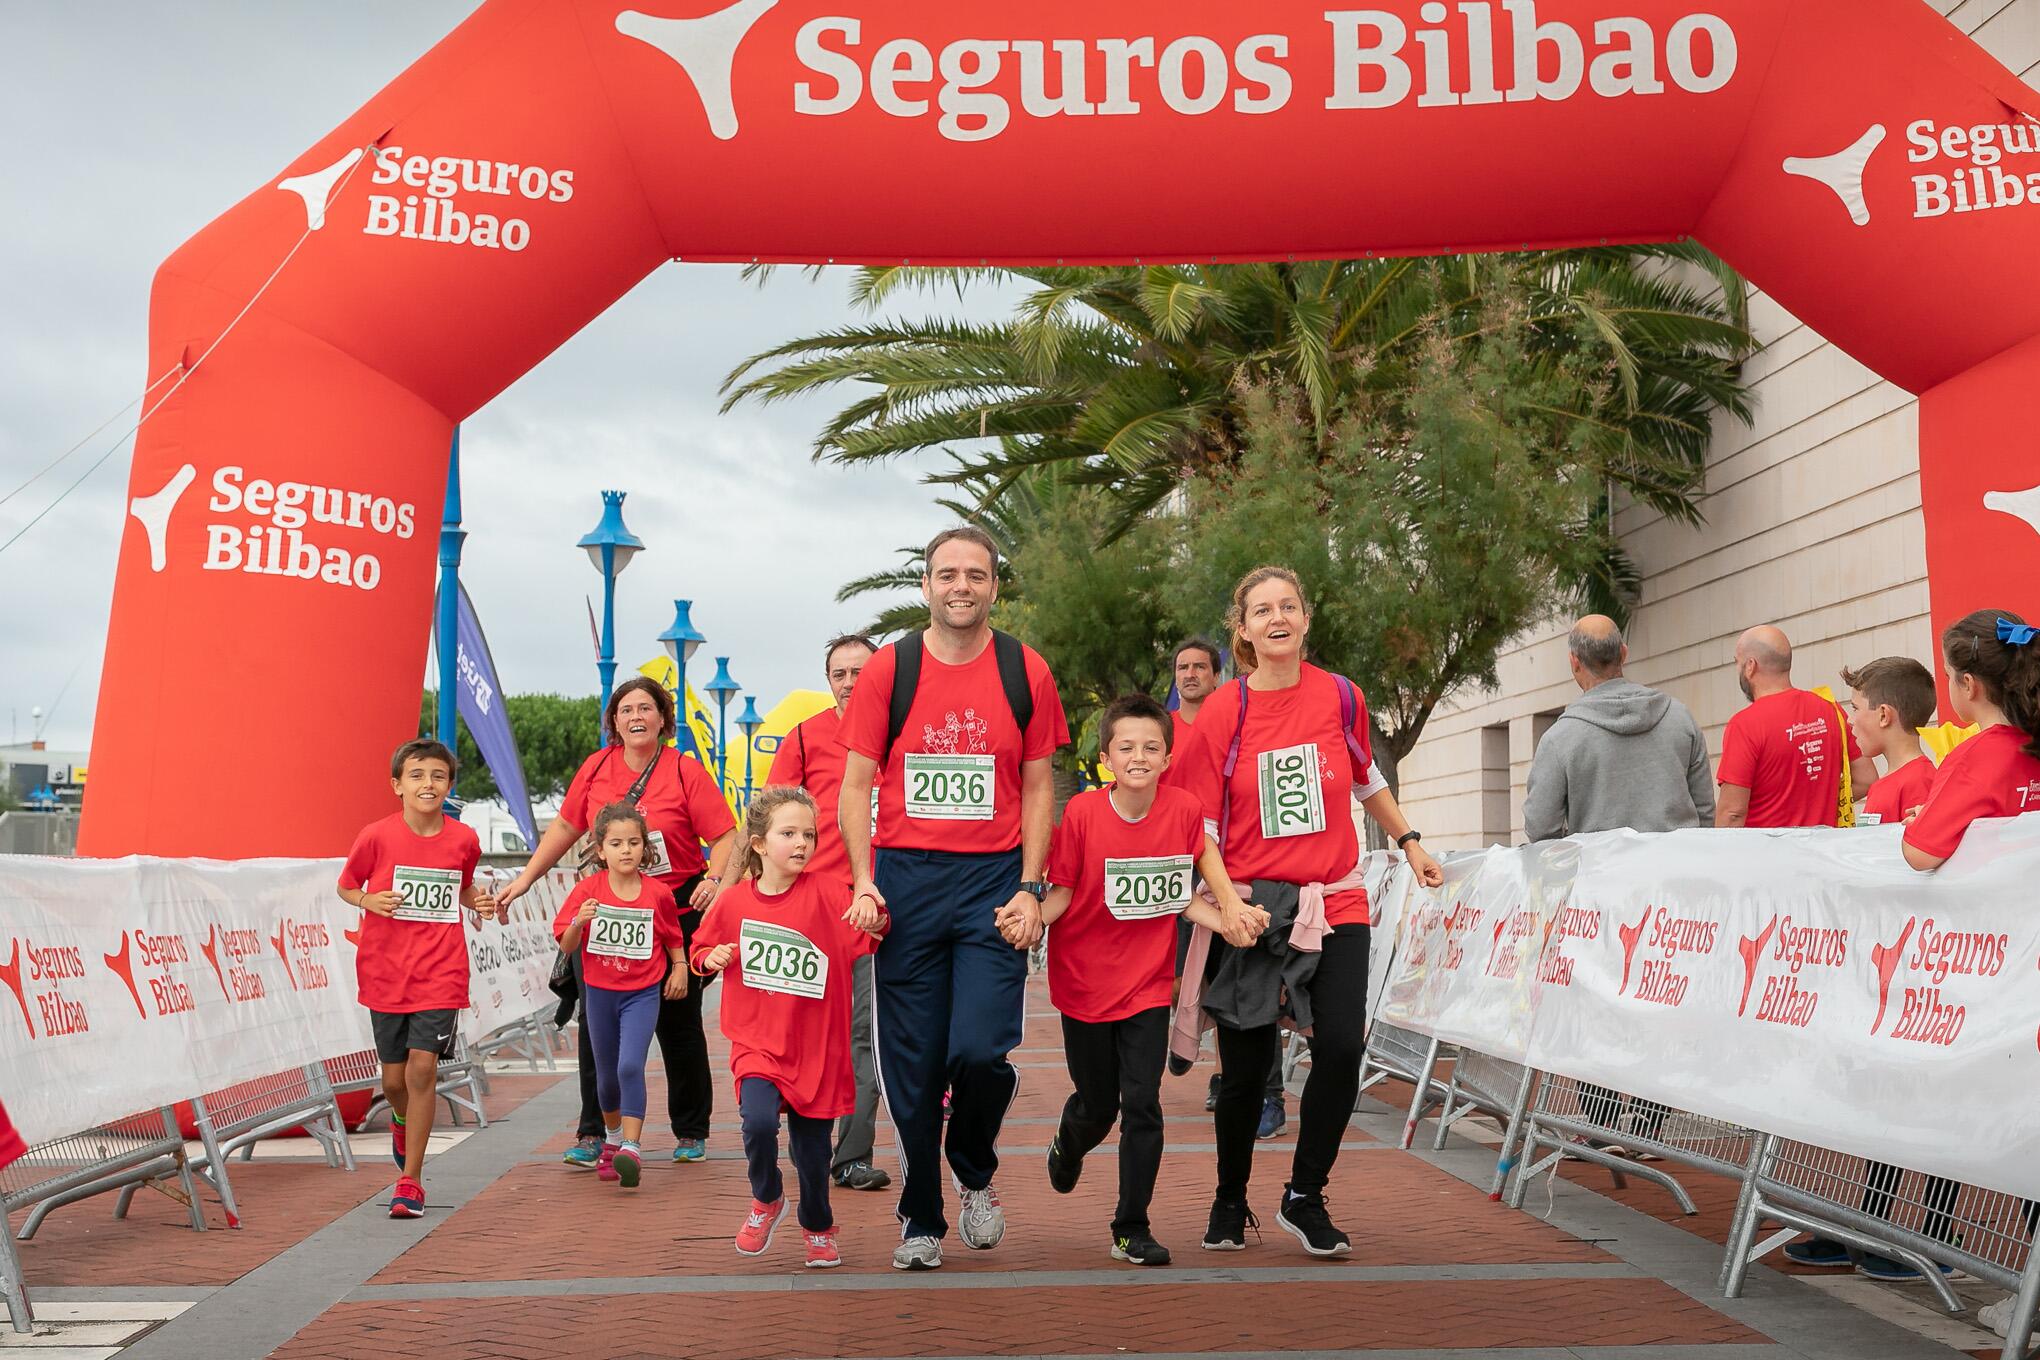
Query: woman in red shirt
(1993, 661)
(1276, 759)
(682, 810)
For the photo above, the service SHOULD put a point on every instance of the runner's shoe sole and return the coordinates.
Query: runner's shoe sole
(1282, 1222)
(628, 1170)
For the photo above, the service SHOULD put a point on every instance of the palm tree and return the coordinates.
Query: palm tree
(1132, 377)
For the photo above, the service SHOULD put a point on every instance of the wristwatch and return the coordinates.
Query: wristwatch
(1040, 890)
(1407, 837)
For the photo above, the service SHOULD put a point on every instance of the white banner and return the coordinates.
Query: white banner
(1805, 983)
(142, 982)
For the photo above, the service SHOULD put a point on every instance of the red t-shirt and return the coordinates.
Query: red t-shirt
(1899, 792)
(681, 804)
(420, 963)
(1282, 727)
(630, 953)
(1179, 741)
(1105, 962)
(1990, 775)
(1782, 748)
(959, 712)
(788, 1018)
(811, 755)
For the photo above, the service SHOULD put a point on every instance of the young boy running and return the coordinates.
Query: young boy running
(410, 874)
(1120, 872)
(1890, 700)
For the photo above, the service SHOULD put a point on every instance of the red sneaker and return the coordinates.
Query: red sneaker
(756, 1234)
(397, 1144)
(408, 1199)
(605, 1169)
(821, 1249)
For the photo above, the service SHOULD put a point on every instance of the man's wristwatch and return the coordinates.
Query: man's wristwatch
(1040, 890)
(1407, 837)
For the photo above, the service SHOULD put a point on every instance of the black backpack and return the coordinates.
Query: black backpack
(907, 654)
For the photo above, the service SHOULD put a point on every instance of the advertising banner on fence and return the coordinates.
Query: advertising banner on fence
(133, 983)
(1805, 983)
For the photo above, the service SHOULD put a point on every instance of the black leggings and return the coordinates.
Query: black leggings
(1338, 1001)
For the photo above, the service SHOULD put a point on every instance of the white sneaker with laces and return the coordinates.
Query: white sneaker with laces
(1998, 1316)
(980, 1221)
(917, 1253)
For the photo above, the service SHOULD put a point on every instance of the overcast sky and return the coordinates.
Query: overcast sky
(135, 124)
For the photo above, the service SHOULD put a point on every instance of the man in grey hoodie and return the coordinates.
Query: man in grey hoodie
(1621, 755)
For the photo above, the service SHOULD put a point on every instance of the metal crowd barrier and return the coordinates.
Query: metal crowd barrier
(237, 1117)
(1413, 1057)
(527, 1039)
(459, 1085)
(1482, 1084)
(1595, 1124)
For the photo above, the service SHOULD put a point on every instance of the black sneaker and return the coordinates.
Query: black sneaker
(1211, 1094)
(1063, 1169)
(1304, 1218)
(860, 1176)
(1140, 1249)
(1230, 1220)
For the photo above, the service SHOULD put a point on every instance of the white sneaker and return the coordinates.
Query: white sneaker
(980, 1221)
(917, 1253)
(1998, 1316)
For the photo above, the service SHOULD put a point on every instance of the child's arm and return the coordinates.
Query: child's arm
(571, 940)
(713, 958)
(676, 978)
(1056, 903)
(361, 866)
(382, 903)
(711, 952)
(1238, 921)
(479, 900)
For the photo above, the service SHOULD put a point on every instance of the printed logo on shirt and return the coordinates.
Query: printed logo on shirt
(1933, 969)
(968, 735)
(1811, 740)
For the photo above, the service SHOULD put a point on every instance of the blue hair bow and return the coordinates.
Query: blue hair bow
(2016, 634)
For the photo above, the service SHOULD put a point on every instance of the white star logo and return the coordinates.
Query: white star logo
(154, 512)
(316, 187)
(705, 48)
(1843, 172)
(2023, 505)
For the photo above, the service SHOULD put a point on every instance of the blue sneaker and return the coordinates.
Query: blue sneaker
(1821, 1252)
(584, 1155)
(691, 1150)
(1885, 1269)
(1273, 1118)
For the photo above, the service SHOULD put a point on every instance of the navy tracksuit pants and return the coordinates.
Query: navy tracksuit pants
(951, 994)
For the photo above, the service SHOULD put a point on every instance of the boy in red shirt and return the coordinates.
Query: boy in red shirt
(1120, 871)
(411, 873)
(1890, 700)
(1993, 662)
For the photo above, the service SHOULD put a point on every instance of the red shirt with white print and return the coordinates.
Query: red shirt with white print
(1296, 837)
(1789, 750)
(953, 779)
(786, 994)
(681, 804)
(1989, 775)
(419, 962)
(811, 755)
(624, 949)
(1898, 793)
(1112, 954)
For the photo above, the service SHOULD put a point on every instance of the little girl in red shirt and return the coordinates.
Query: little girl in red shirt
(788, 940)
(627, 928)
(1993, 660)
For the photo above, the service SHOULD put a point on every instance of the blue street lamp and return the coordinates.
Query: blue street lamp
(451, 536)
(749, 721)
(722, 687)
(681, 642)
(610, 547)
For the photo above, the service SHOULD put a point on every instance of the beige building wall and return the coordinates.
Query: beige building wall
(1813, 523)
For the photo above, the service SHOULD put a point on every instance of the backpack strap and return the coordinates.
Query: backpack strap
(906, 680)
(1349, 709)
(907, 654)
(800, 735)
(1012, 659)
(1232, 762)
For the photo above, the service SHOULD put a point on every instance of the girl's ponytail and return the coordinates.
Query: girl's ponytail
(2002, 651)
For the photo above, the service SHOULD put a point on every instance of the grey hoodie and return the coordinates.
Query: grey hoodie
(1622, 755)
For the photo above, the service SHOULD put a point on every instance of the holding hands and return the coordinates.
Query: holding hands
(1019, 921)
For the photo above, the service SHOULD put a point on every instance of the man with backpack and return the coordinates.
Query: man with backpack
(956, 726)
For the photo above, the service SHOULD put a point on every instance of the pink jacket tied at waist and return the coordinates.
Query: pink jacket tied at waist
(1187, 1026)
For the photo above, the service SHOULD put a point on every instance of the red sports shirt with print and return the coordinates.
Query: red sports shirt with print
(1990, 775)
(811, 755)
(624, 948)
(953, 779)
(419, 963)
(1294, 836)
(1789, 750)
(1113, 953)
(786, 994)
(681, 805)
(1899, 792)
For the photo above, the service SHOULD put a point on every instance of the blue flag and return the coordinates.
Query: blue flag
(479, 701)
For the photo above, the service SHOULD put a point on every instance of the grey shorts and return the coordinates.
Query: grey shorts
(399, 1033)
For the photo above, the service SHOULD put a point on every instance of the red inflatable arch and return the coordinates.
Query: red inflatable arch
(1859, 159)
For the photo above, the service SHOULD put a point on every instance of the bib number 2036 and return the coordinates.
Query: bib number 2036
(1292, 798)
(950, 788)
(620, 932)
(776, 959)
(1154, 885)
(429, 894)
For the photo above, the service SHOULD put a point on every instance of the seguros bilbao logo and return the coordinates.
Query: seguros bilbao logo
(44, 980)
(1923, 962)
(261, 527)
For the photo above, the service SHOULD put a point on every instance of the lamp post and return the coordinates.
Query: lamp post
(681, 642)
(610, 547)
(749, 721)
(722, 687)
(451, 536)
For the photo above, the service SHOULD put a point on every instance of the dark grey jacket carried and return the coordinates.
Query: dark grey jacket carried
(1247, 989)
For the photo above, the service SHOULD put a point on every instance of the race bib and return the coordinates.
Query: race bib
(950, 788)
(1869, 819)
(1153, 885)
(775, 959)
(620, 932)
(1292, 799)
(656, 862)
(429, 894)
